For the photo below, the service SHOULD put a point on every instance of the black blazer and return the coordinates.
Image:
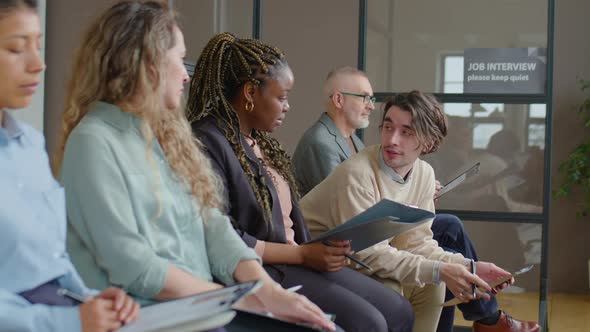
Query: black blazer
(247, 216)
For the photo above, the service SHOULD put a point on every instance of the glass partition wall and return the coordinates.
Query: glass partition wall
(489, 64)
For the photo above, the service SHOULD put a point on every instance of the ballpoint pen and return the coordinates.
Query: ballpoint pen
(474, 287)
(76, 297)
(294, 288)
(352, 258)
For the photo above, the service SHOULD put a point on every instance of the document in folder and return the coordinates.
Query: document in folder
(199, 312)
(378, 223)
(474, 170)
(274, 323)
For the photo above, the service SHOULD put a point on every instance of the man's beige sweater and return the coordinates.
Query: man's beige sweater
(359, 183)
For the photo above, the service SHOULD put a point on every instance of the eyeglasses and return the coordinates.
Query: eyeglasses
(367, 99)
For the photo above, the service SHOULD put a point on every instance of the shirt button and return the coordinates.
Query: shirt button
(20, 185)
(57, 255)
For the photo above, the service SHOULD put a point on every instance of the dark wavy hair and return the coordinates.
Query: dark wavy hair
(428, 118)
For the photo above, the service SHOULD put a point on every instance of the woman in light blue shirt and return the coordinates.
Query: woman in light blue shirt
(142, 197)
(35, 268)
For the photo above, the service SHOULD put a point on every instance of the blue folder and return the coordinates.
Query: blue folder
(378, 223)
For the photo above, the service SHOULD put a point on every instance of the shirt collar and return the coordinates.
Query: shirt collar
(11, 129)
(390, 172)
(115, 116)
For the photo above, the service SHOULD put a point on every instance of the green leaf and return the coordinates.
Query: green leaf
(575, 169)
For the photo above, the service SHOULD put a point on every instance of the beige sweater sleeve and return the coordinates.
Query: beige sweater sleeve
(411, 256)
(419, 241)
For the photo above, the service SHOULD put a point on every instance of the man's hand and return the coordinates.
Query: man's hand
(324, 258)
(437, 188)
(460, 282)
(490, 273)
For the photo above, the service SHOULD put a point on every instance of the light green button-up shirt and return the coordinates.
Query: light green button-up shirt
(129, 216)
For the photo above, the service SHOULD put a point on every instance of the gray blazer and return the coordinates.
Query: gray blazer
(319, 151)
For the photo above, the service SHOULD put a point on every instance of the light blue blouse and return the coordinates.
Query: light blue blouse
(130, 217)
(32, 234)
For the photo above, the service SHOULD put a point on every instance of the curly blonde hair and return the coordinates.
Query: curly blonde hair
(120, 62)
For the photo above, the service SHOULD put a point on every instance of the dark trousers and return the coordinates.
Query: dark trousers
(48, 294)
(451, 236)
(359, 302)
(246, 322)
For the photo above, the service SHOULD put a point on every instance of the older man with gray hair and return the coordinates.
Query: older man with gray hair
(349, 100)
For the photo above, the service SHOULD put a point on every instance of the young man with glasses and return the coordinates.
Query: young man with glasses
(331, 140)
(413, 125)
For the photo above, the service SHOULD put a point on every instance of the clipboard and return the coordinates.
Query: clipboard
(199, 312)
(281, 324)
(474, 170)
(378, 223)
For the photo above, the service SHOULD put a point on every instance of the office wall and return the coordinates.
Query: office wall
(197, 21)
(66, 21)
(200, 20)
(316, 37)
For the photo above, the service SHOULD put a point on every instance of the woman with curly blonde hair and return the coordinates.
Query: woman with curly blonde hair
(143, 199)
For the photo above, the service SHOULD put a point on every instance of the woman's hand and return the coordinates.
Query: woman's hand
(271, 297)
(460, 282)
(287, 305)
(127, 309)
(108, 311)
(321, 257)
(98, 315)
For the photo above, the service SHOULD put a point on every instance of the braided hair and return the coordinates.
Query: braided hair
(225, 65)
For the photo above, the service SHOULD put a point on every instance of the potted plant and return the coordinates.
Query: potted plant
(576, 168)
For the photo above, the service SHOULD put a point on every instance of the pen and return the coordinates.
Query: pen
(64, 292)
(326, 243)
(474, 287)
(294, 288)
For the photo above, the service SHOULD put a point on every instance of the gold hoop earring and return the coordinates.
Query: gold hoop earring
(249, 106)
